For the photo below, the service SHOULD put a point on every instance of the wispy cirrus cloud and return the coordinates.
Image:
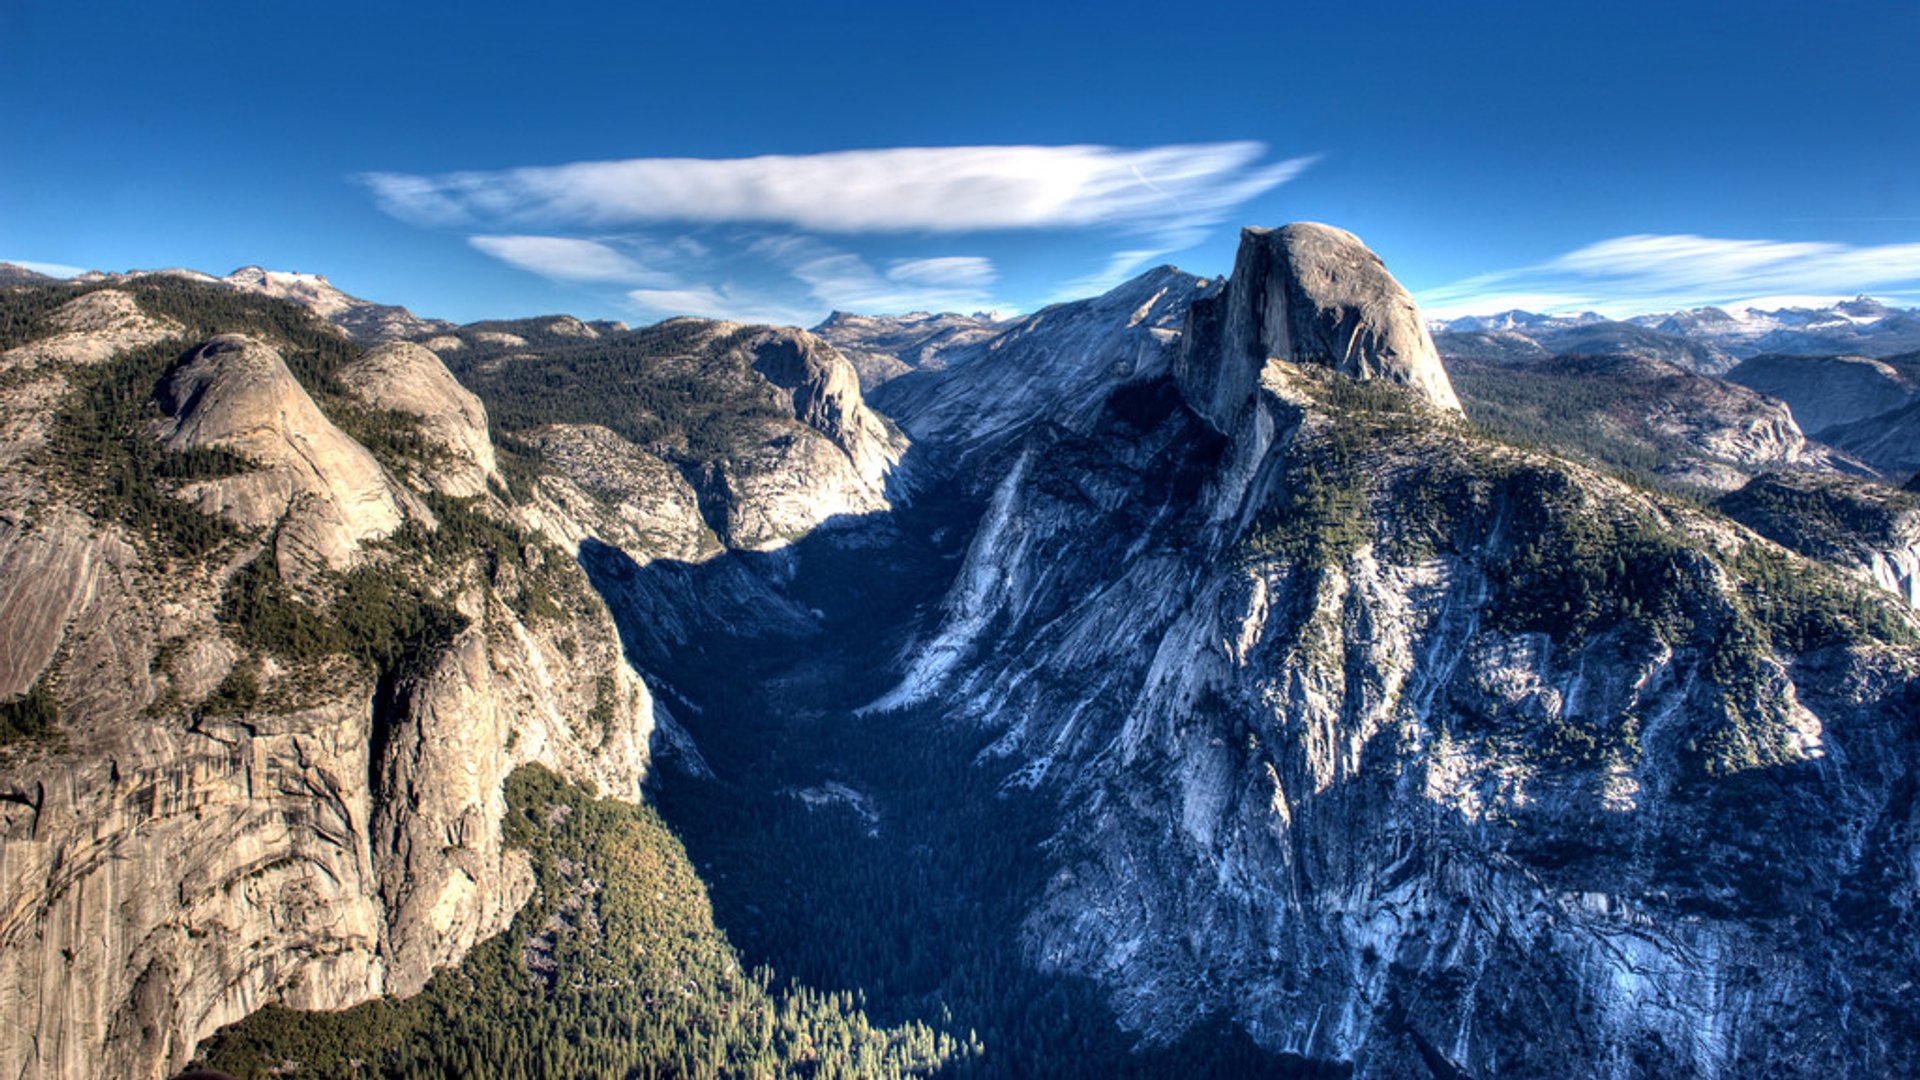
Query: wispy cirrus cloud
(634, 222)
(1632, 274)
(947, 272)
(1120, 266)
(844, 281)
(926, 189)
(564, 258)
(717, 302)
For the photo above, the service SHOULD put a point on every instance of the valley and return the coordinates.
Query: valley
(1212, 677)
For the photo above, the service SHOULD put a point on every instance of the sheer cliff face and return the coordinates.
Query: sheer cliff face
(298, 630)
(1387, 743)
(1305, 294)
(222, 817)
(1405, 749)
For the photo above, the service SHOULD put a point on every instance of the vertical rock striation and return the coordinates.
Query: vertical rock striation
(1306, 294)
(1400, 748)
(214, 823)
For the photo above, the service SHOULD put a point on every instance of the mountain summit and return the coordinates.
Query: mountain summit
(1306, 293)
(1171, 682)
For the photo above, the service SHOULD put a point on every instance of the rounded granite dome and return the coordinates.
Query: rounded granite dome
(1309, 294)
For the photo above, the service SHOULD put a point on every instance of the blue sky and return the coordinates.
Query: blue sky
(776, 161)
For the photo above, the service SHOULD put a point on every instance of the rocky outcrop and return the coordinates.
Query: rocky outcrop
(602, 486)
(91, 328)
(1643, 415)
(15, 274)
(410, 379)
(163, 881)
(1585, 335)
(1861, 326)
(825, 396)
(1488, 346)
(171, 871)
(1306, 294)
(1708, 340)
(1867, 529)
(1366, 736)
(326, 493)
(766, 425)
(47, 573)
(222, 819)
(1324, 795)
(883, 347)
(364, 320)
(1703, 357)
(836, 458)
(1719, 423)
(1325, 717)
(502, 694)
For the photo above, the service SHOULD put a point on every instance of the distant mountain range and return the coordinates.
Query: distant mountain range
(1707, 339)
(1209, 678)
(364, 320)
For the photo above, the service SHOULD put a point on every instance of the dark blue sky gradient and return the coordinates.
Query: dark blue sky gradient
(1459, 139)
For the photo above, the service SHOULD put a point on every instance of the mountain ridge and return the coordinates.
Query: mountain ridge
(1174, 679)
(1712, 339)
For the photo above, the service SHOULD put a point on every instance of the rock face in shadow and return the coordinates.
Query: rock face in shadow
(1825, 391)
(1307, 294)
(1402, 748)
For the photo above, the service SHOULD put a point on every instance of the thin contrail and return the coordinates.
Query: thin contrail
(1151, 186)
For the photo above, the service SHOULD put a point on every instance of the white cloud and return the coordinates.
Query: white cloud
(716, 302)
(1632, 274)
(932, 189)
(1120, 266)
(748, 238)
(567, 259)
(950, 272)
(414, 199)
(1435, 306)
(59, 270)
(846, 282)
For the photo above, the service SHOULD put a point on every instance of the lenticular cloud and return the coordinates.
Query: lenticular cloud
(932, 189)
